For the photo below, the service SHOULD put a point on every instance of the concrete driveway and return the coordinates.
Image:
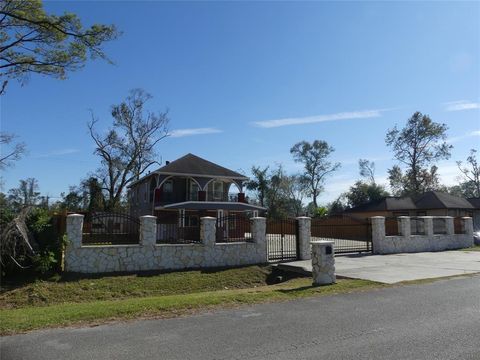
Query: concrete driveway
(395, 268)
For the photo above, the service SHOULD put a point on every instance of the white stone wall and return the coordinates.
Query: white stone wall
(323, 262)
(304, 237)
(407, 243)
(147, 255)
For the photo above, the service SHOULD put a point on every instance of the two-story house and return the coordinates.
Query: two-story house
(190, 187)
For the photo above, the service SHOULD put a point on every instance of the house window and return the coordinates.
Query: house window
(193, 190)
(168, 186)
(217, 190)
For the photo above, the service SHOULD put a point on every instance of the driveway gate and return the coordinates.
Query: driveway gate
(350, 235)
(282, 239)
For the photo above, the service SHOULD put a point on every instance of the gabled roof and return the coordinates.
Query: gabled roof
(386, 204)
(192, 165)
(475, 202)
(439, 200)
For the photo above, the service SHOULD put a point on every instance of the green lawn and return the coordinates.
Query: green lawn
(473, 248)
(62, 302)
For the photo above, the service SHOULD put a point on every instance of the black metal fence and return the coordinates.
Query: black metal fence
(104, 228)
(417, 226)
(351, 235)
(439, 226)
(233, 228)
(282, 239)
(176, 229)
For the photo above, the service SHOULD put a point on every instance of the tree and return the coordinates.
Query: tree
(471, 173)
(32, 41)
(26, 194)
(315, 158)
(10, 151)
(419, 145)
(127, 150)
(367, 169)
(362, 193)
(259, 183)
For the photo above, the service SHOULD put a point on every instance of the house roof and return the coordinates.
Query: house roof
(213, 205)
(193, 165)
(439, 200)
(475, 202)
(386, 204)
(429, 200)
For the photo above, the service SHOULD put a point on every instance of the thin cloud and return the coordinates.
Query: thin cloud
(364, 114)
(461, 105)
(455, 139)
(192, 132)
(58, 152)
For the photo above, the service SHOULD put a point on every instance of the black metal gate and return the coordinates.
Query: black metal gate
(350, 235)
(103, 228)
(282, 239)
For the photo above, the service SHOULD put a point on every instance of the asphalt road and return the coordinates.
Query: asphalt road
(439, 320)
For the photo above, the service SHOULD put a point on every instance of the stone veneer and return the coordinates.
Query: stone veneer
(323, 262)
(148, 255)
(304, 237)
(408, 243)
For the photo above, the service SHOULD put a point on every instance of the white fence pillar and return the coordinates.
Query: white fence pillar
(258, 227)
(208, 230)
(323, 262)
(304, 237)
(378, 233)
(449, 227)
(404, 228)
(428, 225)
(468, 226)
(74, 230)
(148, 230)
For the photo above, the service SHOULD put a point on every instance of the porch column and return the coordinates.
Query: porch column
(304, 235)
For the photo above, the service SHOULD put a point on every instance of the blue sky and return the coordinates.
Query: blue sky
(343, 72)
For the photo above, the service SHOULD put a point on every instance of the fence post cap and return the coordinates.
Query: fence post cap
(466, 217)
(377, 217)
(322, 242)
(75, 215)
(208, 218)
(148, 217)
(303, 217)
(403, 217)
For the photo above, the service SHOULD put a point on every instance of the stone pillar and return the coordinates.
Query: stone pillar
(468, 226)
(304, 235)
(428, 225)
(74, 230)
(378, 233)
(148, 230)
(258, 227)
(208, 230)
(404, 226)
(323, 262)
(449, 227)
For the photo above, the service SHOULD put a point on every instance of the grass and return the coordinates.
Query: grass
(61, 304)
(473, 248)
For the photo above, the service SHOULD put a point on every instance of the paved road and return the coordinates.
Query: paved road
(440, 320)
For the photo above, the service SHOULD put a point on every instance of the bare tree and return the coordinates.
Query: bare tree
(367, 169)
(127, 150)
(471, 171)
(10, 151)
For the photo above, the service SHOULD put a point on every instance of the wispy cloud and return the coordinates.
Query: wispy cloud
(364, 114)
(191, 132)
(455, 139)
(58, 152)
(461, 105)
